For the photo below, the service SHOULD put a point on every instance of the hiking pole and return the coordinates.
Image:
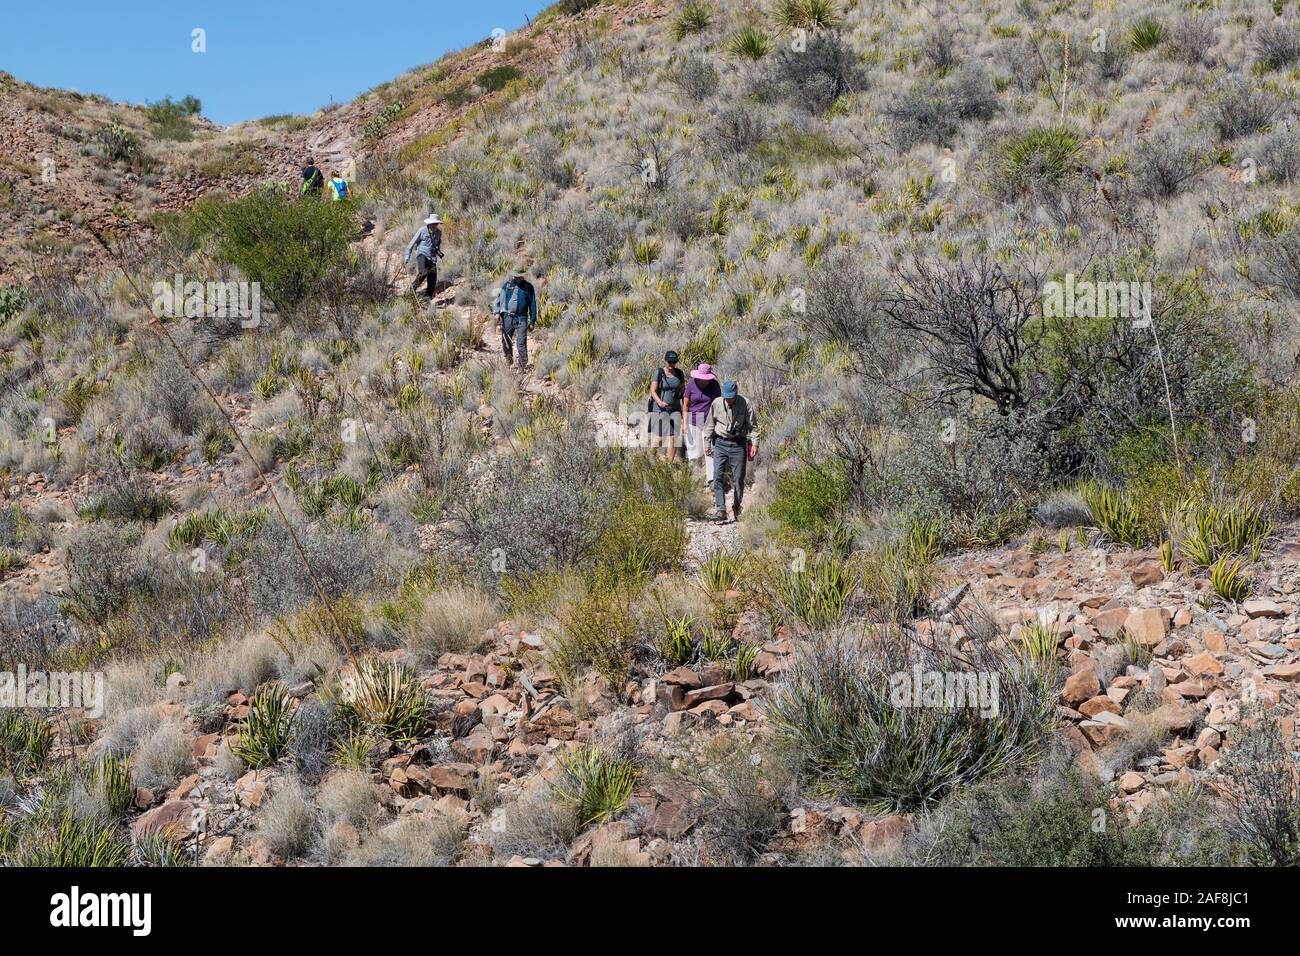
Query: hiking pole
(163, 335)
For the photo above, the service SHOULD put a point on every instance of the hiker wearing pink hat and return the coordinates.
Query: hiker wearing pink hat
(701, 390)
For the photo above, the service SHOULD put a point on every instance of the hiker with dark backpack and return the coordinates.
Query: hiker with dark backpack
(667, 387)
(427, 246)
(516, 312)
(731, 440)
(313, 180)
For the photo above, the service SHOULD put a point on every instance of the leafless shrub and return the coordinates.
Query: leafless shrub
(1165, 163)
(1263, 780)
(1238, 107)
(1276, 45)
(1191, 39)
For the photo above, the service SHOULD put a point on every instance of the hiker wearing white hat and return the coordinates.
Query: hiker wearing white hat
(427, 245)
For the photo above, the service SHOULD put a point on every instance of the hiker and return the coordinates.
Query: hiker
(665, 405)
(338, 187)
(699, 394)
(516, 312)
(313, 180)
(731, 440)
(427, 244)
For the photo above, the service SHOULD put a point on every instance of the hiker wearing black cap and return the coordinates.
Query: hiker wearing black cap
(731, 440)
(667, 392)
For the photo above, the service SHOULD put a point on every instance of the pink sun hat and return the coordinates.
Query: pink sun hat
(703, 371)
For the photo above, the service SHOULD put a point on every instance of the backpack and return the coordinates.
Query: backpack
(670, 389)
(514, 298)
(340, 187)
(311, 180)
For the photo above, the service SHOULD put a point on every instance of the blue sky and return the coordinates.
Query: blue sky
(262, 58)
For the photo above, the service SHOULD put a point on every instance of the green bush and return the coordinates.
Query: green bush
(171, 120)
(1041, 156)
(118, 143)
(694, 17)
(296, 250)
(807, 499)
(497, 78)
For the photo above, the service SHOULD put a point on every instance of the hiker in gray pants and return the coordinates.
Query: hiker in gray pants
(516, 312)
(730, 439)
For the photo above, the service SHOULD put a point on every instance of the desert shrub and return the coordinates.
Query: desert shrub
(497, 78)
(1279, 155)
(817, 76)
(349, 795)
(596, 783)
(737, 798)
(816, 595)
(932, 112)
(289, 822)
(1238, 107)
(449, 619)
(129, 497)
(13, 302)
(1065, 819)
(1191, 39)
(343, 561)
(269, 728)
(694, 76)
(104, 571)
(298, 251)
(171, 119)
(600, 630)
(1164, 164)
(849, 727)
(808, 498)
(1264, 798)
(163, 757)
(1062, 510)
(1276, 45)
(417, 840)
(539, 513)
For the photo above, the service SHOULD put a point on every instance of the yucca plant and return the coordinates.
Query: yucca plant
(72, 842)
(818, 595)
(269, 729)
(694, 17)
(720, 571)
(1146, 34)
(596, 784)
(677, 646)
(741, 665)
(715, 645)
(805, 14)
(749, 43)
(1168, 561)
(1038, 645)
(25, 741)
(109, 780)
(1227, 580)
(1115, 513)
(158, 850)
(385, 696)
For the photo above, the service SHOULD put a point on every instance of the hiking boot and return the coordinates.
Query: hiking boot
(735, 512)
(718, 516)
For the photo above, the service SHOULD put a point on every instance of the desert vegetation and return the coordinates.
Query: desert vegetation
(1009, 286)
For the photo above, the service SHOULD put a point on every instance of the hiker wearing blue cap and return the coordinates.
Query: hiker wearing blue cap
(731, 440)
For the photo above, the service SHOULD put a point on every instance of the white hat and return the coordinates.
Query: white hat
(432, 220)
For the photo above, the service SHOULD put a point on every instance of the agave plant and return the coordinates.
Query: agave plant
(385, 696)
(269, 729)
(596, 784)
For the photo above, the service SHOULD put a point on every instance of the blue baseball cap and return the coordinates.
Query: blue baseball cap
(729, 390)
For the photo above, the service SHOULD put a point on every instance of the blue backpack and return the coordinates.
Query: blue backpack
(514, 299)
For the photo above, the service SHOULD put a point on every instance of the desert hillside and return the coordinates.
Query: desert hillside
(1008, 285)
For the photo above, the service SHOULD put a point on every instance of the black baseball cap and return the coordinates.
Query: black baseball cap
(670, 357)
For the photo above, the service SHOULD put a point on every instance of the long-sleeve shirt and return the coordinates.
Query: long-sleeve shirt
(524, 304)
(426, 242)
(736, 422)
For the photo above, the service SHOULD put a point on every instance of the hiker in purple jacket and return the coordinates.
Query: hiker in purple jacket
(701, 389)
